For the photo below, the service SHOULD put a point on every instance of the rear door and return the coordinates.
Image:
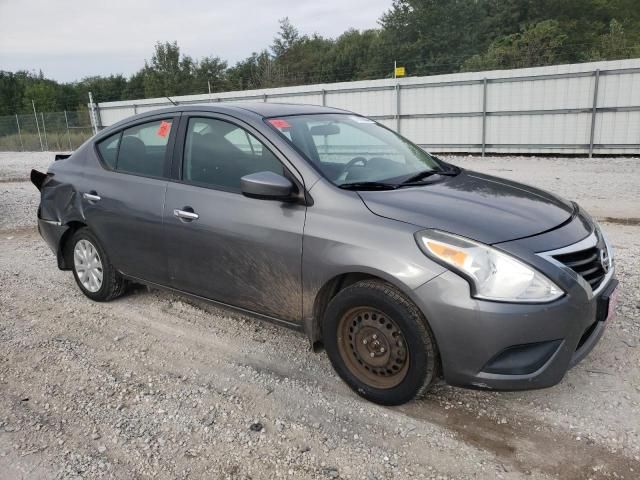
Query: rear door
(241, 251)
(123, 196)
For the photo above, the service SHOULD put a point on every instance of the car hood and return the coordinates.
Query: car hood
(477, 206)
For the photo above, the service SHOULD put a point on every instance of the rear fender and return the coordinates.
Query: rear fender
(60, 202)
(60, 213)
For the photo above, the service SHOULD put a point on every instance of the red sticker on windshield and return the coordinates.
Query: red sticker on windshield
(279, 123)
(163, 129)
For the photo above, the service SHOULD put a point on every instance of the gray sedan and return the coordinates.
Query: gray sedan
(404, 268)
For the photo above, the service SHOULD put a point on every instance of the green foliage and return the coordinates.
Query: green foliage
(11, 92)
(615, 44)
(426, 36)
(539, 44)
(167, 74)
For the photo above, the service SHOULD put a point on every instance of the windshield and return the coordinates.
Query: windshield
(350, 149)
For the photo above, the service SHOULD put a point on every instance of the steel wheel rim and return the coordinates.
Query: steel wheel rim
(373, 347)
(88, 265)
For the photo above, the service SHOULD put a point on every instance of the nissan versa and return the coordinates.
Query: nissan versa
(405, 268)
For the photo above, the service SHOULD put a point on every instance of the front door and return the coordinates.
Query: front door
(240, 251)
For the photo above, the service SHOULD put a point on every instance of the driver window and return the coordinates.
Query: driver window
(218, 154)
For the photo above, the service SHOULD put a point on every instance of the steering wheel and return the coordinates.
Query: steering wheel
(354, 161)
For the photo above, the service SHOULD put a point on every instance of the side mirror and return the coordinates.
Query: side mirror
(267, 186)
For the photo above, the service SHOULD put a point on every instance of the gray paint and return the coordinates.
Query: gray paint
(277, 259)
(266, 185)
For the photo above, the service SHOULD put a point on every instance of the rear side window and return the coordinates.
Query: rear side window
(108, 149)
(140, 149)
(143, 148)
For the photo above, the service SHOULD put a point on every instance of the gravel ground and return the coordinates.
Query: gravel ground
(154, 385)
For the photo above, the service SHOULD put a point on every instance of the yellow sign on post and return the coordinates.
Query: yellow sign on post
(400, 72)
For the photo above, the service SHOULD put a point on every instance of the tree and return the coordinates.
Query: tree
(104, 89)
(167, 74)
(44, 93)
(211, 71)
(354, 56)
(11, 92)
(435, 36)
(135, 87)
(539, 44)
(615, 44)
(286, 38)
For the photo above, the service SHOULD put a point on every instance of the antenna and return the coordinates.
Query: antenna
(174, 103)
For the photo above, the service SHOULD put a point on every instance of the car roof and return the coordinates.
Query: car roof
(272, 109)
(238, 109)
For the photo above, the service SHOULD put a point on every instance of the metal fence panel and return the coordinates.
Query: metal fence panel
(444, 99)
(442, 130)
(572, 109)
(616, 128)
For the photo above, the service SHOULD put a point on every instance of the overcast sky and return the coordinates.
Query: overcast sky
(72, 39)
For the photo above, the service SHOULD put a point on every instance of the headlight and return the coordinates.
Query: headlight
(493, 275)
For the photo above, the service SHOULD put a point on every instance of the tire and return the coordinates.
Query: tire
(379, 343)
(111, 284)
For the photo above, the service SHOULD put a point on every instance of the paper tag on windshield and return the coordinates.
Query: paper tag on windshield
(358, 119)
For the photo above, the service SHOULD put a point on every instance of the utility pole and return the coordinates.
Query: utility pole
(395, 65)
(37, 125)
(209, 85)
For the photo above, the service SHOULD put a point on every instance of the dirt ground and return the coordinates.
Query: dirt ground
(153, 385)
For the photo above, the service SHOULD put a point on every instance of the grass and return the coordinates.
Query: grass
(55, 141)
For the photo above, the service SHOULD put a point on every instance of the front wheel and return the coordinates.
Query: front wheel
(94, 273)
(380, 343)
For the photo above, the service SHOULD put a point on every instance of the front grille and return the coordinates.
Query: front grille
(587, 263)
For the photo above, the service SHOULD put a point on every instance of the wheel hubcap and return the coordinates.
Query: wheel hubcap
(373, 347)
(88, 265)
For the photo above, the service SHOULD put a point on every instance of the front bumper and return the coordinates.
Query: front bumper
(506, 346)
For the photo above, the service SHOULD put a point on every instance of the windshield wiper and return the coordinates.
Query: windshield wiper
(428, 173)
(368, 186)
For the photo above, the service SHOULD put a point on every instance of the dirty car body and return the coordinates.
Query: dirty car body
(287, 217)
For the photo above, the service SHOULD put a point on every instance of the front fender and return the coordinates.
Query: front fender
(344, 237)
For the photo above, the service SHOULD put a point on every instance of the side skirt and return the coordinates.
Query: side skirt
(260, 316)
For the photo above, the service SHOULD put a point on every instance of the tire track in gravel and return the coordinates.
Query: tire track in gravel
(527, 447)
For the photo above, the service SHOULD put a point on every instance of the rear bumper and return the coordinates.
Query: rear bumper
(507, 346)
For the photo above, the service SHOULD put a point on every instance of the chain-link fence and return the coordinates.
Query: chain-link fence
(52, 131)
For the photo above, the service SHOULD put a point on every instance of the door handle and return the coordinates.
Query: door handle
(186, 215)
(92, 197)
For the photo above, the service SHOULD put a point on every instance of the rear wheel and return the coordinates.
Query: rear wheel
(379, 343)
(94, 273)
